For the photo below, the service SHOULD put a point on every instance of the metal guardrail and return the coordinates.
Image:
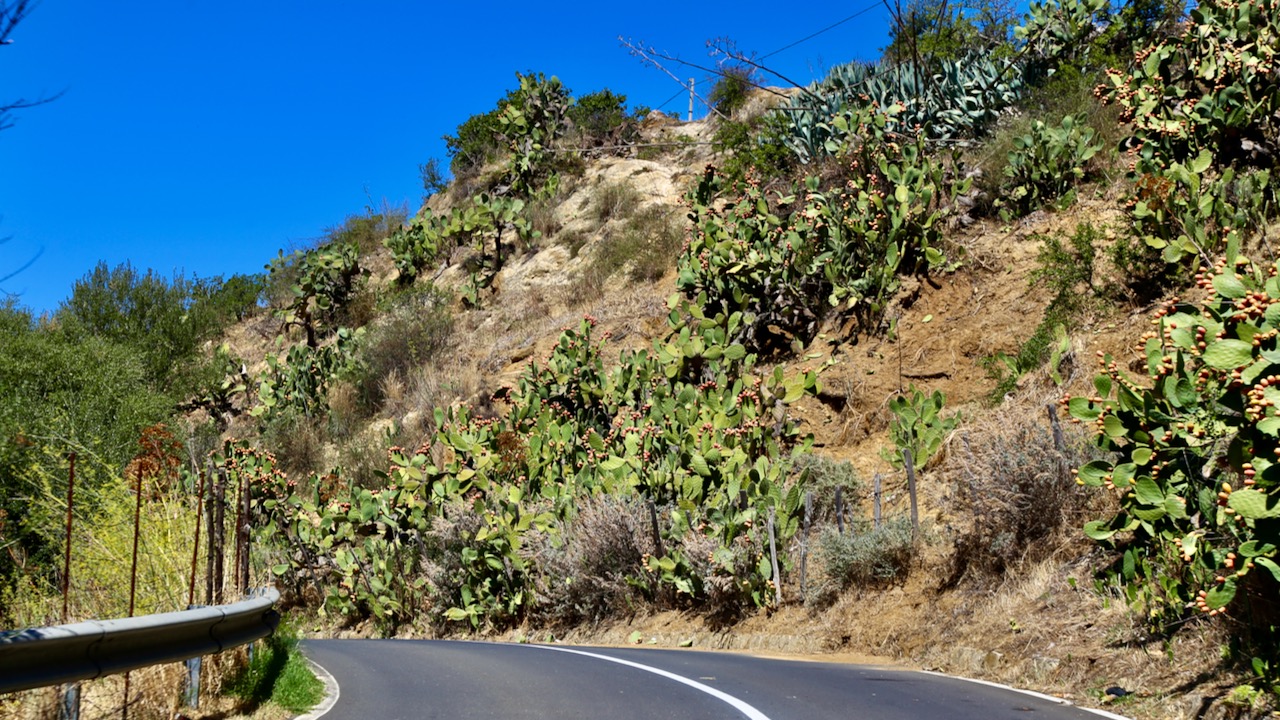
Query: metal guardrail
(84, 651)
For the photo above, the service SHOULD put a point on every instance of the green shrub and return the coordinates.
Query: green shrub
(601, 119)
(278, 674)
(1067, 270)
(865, 557)
(163, 320)
(733, 88)
(61, 392)
(476, 141)
(756, 147)
(235, 298)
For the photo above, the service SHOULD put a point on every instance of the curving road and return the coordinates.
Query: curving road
(410, 679)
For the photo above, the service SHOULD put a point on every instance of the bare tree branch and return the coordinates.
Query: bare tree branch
(647, 55)
(13, 12)
(726, 47)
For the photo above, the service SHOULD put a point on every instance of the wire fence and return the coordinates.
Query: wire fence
(160, 539)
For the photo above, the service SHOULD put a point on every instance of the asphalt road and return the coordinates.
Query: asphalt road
(410, 679)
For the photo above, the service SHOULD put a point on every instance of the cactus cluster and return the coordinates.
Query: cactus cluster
(1196, 473)
(786, 263)
(1205, 112)
(951, 99)
(485, 219)
(1046, 163)
(688, 424)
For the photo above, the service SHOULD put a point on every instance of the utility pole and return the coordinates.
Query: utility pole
(691, 95)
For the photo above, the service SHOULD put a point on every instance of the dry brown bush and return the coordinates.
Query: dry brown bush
(1016, 489)
(584, 578)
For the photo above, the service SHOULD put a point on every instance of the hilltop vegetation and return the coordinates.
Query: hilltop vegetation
(619, 365)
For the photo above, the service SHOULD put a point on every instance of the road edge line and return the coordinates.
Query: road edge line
(1032, 693)
(742, 706)
(332, 691)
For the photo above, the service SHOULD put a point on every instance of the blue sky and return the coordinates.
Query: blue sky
(202, 137)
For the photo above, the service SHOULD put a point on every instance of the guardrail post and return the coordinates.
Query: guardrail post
(191, 692)
(69, 709)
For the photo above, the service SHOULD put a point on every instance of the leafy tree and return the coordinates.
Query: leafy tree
(433, 178)
(61, 392)
(164, 321)
(601, 117)
(932, 30)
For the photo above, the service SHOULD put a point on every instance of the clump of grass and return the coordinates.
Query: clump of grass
(615, 201)
(645, 247)
(277, 674)
(414, 331)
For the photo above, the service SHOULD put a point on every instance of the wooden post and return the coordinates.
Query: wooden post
(875, 499)
(133, 574)
(236, 537)
(773, 556)
(219, 536)
(211, 519)
(201, 479)
(69, 709)
(911, 490)
(840, 509)
(1059, 443)
(244, 542)
(804, 547)
(657, 535)
(66, 561)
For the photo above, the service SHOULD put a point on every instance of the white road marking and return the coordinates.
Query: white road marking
(1032, 693)
(331, 691)
(742, 707)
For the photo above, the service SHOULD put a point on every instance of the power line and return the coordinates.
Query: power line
(679, 92)
(832, 26)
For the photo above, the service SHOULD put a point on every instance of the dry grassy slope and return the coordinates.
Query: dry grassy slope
(1042, 627)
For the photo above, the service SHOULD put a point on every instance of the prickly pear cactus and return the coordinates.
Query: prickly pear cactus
(1196, 472)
